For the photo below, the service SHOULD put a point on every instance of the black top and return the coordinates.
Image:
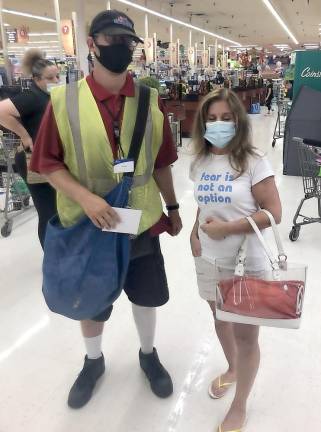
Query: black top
(31, 105)
(270, 86)
(220, 79)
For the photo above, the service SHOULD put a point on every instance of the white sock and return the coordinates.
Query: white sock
(145, 319)
(93, 347)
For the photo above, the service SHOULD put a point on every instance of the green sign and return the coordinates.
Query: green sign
(307, 70)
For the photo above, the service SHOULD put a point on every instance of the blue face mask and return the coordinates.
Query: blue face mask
(220, 133)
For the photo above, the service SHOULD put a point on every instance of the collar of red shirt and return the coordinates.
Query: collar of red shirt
(101, 94)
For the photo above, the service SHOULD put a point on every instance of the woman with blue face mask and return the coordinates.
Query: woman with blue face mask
(232, 180)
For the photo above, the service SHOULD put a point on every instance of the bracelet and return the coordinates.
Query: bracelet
(172, 207)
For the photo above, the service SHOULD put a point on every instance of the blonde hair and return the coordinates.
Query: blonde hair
(241, 146)
(34, 63)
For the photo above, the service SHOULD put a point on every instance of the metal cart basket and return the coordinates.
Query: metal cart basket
(284, 107)
(12, 186)
(310, 165)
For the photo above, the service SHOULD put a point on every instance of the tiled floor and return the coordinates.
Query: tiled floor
(40, 353)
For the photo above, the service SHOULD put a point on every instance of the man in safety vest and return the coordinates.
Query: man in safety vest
(107, 104)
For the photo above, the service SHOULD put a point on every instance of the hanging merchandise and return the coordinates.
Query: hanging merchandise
(23, 35)
(173, 53)
(191, 56)
(68, 39)
(149, 50)
(205, 59)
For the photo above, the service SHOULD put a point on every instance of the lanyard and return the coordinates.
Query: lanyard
(116, 129)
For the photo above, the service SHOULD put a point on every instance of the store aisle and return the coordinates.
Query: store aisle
(40, 353)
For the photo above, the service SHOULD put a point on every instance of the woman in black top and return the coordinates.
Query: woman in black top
(269, 95)
(22, 114)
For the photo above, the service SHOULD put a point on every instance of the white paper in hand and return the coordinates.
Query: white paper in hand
(129, 221)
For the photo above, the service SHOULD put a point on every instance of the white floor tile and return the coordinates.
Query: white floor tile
(40, 353)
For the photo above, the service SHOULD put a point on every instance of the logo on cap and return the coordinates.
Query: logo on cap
(123, 21)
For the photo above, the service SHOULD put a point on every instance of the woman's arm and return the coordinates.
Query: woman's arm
(266, 196)
(195, 242)
(10, 119)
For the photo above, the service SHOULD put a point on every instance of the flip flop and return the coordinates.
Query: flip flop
(227, 385)
(235, 430)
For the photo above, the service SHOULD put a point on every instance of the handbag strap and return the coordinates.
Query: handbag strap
(140, 125)
(241, 257)
(276, 235)
(274, 262)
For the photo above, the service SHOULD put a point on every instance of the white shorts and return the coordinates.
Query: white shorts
(206, 279)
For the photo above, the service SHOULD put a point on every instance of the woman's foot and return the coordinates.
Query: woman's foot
(221, 384)
(234, 419)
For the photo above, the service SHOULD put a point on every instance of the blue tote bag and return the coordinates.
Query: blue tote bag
(84, 268)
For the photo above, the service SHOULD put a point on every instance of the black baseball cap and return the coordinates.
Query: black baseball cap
(114, 23)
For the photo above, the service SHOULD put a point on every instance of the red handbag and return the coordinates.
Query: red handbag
(271, 296)
(263, 298)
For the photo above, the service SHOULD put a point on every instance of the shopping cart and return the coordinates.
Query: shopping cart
(12, 186)
(284, 106)
(310, 163)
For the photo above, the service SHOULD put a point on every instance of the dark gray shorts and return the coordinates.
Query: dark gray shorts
(146, 282)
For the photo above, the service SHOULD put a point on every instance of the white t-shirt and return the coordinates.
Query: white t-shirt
(219, 195)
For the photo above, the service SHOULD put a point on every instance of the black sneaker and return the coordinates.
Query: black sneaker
(84, 385)
(160, 380)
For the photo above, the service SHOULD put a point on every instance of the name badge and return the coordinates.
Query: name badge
(124, 166)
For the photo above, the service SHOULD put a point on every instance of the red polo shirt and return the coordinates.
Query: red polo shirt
(48, 155)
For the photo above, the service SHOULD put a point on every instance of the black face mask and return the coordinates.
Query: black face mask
(116, 58)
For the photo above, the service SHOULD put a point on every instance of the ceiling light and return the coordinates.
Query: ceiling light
(43, 34)
(6, 25)
(42, 18)
(176, 21)
(280, 20)
(42, 42)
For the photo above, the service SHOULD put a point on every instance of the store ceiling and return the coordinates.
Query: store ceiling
(244, 21)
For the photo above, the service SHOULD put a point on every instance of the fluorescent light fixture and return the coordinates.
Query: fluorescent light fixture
(43, 42)
(176, 21)
(6, 25)
(41, 18)
(43, 34)
(280, 20)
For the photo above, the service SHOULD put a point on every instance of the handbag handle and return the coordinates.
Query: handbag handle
(276, 235)
(275, 263)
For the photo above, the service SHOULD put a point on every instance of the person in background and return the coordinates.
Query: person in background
(22, 114)
(219, 78)
(108, 101)
(227, 161)
(269, 96)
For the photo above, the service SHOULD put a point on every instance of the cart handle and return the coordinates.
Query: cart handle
(308, 141)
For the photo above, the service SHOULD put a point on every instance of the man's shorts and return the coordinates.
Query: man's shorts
(146, 282)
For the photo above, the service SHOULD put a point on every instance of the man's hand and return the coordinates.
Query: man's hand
(27, 142)
(99, 212)
(196, 245)
(176, 222)
(216, 229)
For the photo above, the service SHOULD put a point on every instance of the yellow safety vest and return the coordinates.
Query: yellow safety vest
(88, 154)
